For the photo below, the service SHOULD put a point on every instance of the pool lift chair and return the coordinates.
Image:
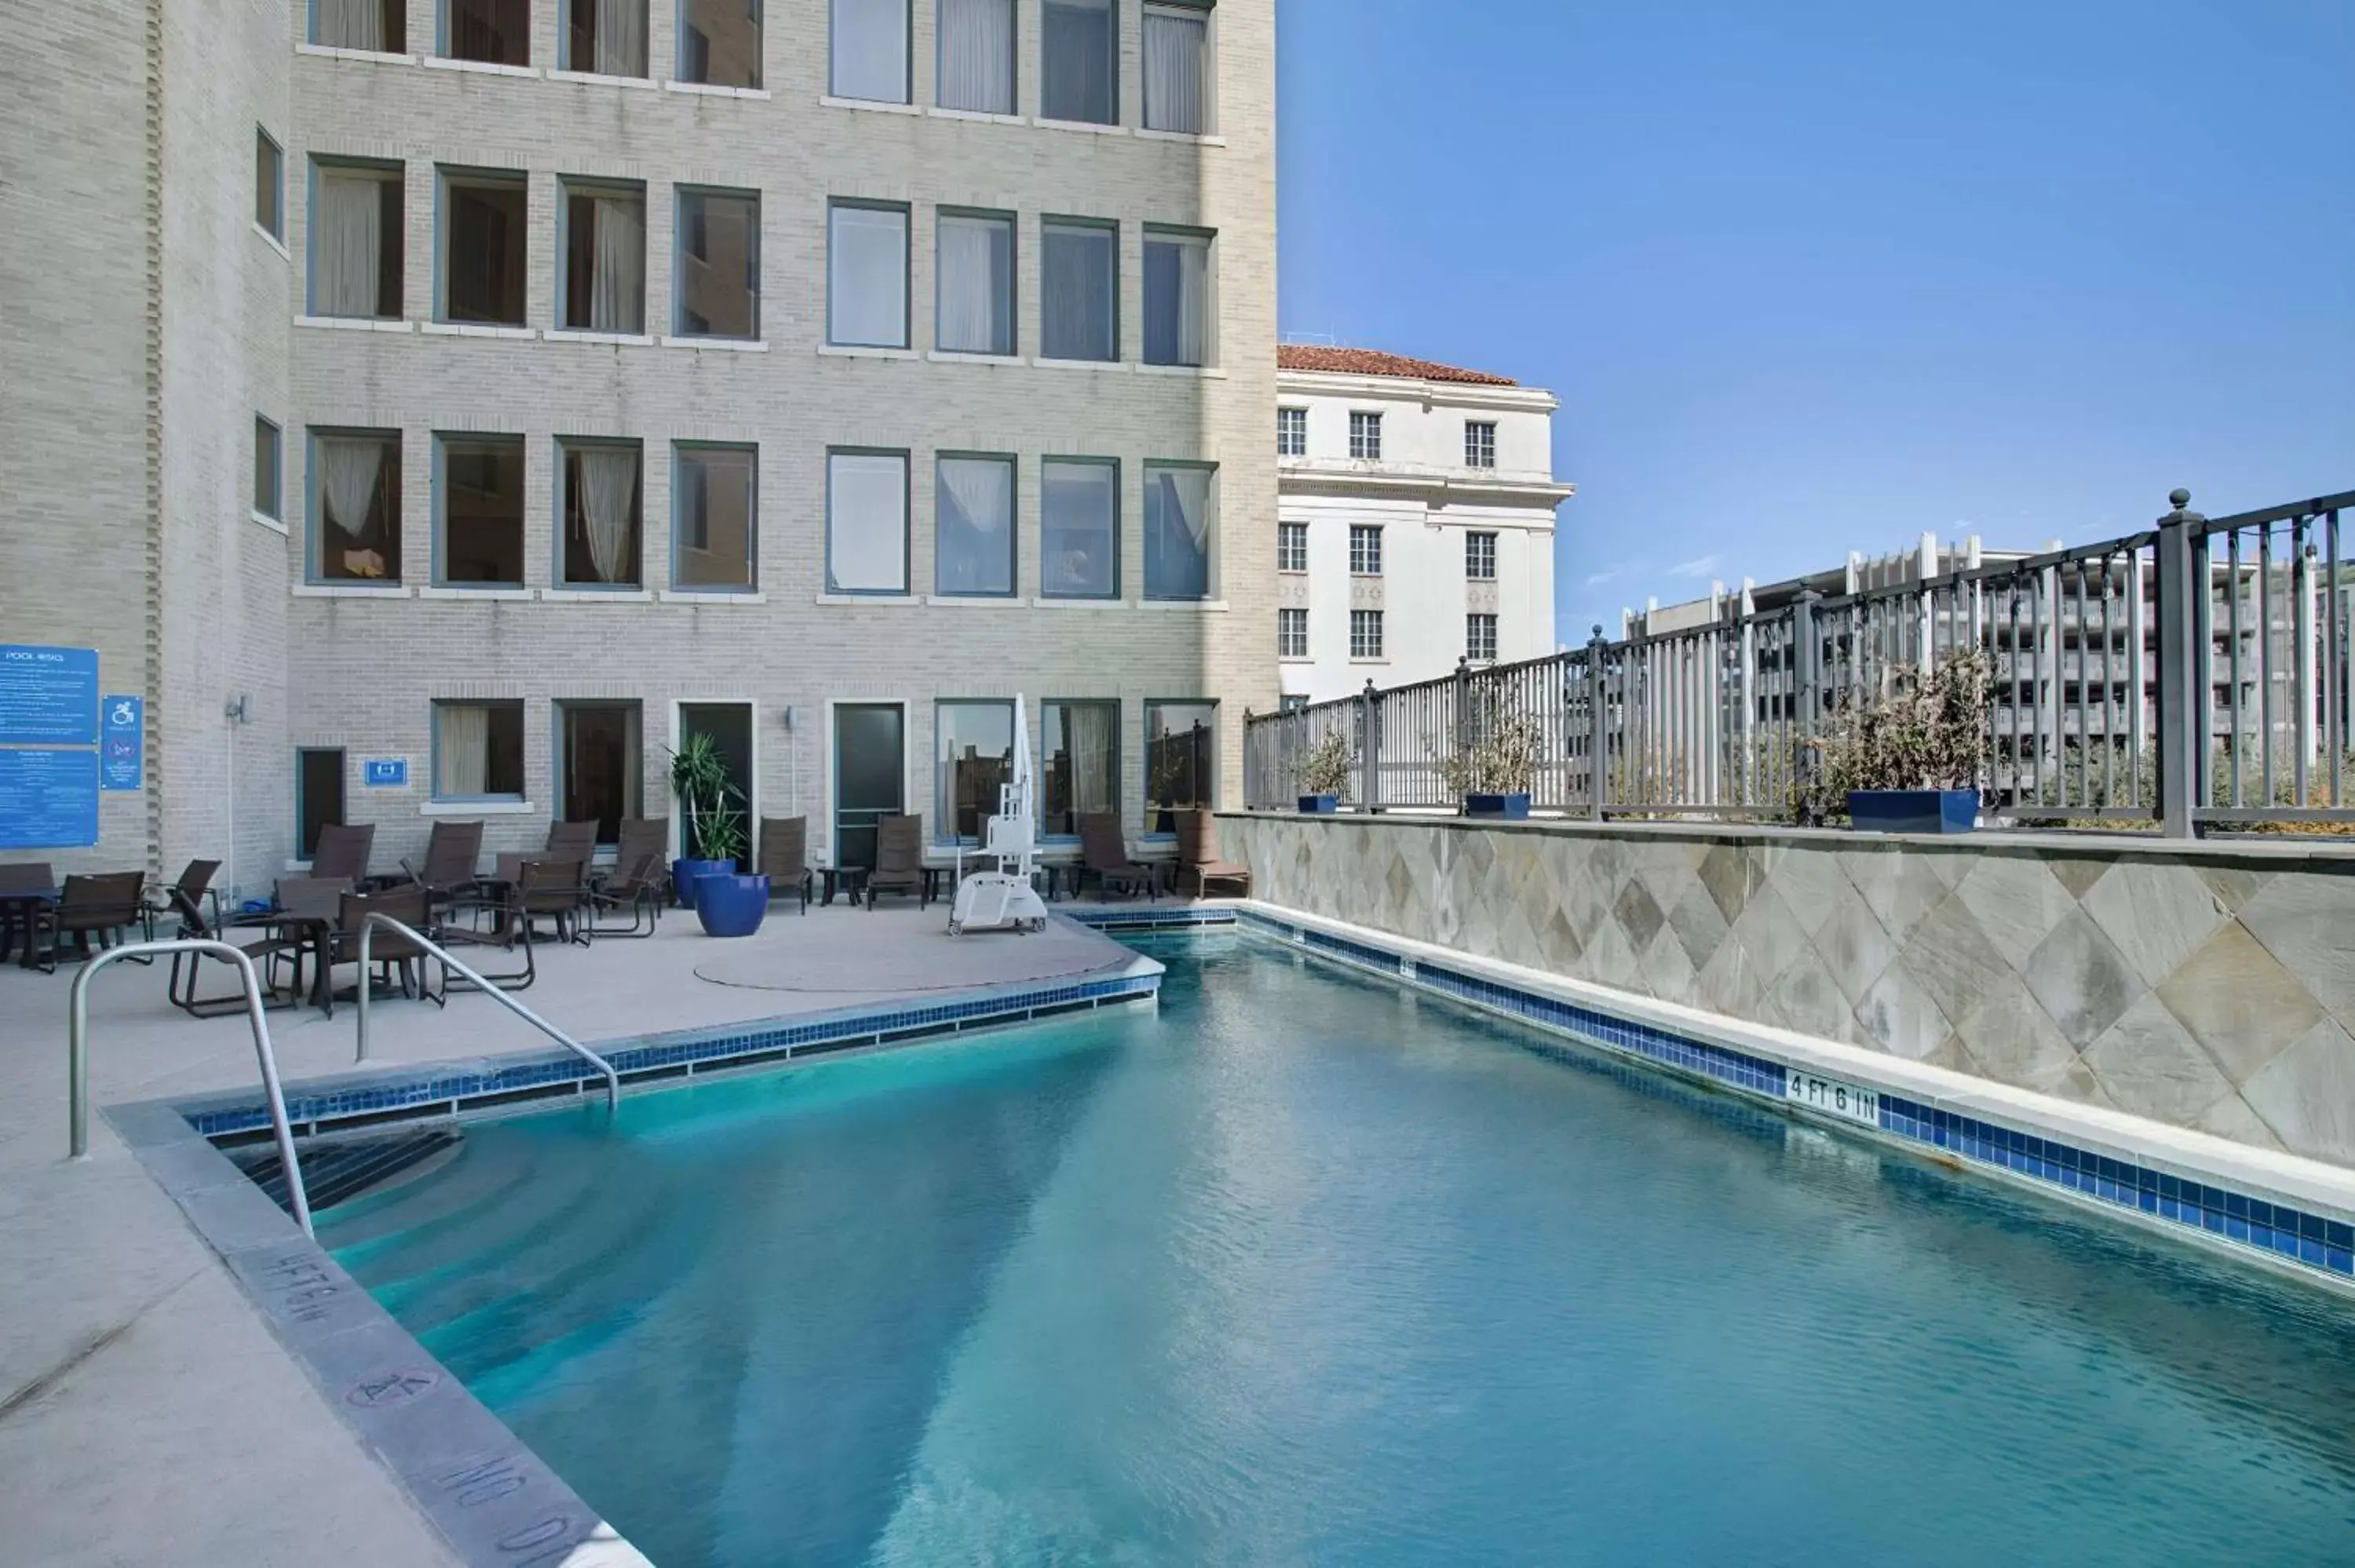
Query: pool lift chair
(1004, 899)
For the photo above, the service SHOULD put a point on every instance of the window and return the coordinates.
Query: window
(483, 226)
(379, 24)
(866, 522)
(974, 311)
(1292, 547)
(1177, 69)
(1292, 433)
(1365, 551)
(607, 37)
(1079, 290)
(1176, 299)
(356, 502)
(870, 51)
(867, 276)
(719, 42)
(356, 234)
(495, 31)
(604, 279)
(598, 752)
(268, 465)
(318, 796)
(719, 283)
(974, 751)
(1292, 702)
(601, 506)
(973, 535)
(715, 511)
(1079, 751)
(1079, 75)
(1365, 435)
(1480, 557)
(1079, 529)
(1480, 637)
(1365, 634)
(1291, 634)
(1181, 514)
(1182, 760)
(268, 185)
(977, 63)
(480, 500)
(1479, 443)
(478, 751)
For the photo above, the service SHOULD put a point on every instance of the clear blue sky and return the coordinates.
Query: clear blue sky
(1815, 275)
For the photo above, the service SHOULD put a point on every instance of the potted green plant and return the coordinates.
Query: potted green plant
(1324, 769)
(710, 806)
(1491, 766)
(1907, 756)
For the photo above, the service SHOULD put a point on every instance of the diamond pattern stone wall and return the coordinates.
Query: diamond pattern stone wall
(2207, 988)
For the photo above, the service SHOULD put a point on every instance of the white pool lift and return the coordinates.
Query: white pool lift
(1004, 899)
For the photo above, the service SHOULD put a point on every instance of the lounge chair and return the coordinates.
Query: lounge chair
(1197, 855)
(784, 856)
(451, 854)
(640, 884)
(386, 949)
(187, 899)
(900, 860)
(575, 842)
(102, 906)
(551, 890)
(1104, 854)
(342, 851)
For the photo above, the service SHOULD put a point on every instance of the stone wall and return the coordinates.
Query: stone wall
(2205, 986)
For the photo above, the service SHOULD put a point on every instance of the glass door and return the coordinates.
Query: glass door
(870, 776)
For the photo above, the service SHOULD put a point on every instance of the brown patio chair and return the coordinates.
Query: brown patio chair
(101, 906)
(900, 860)
(641, 886)
(784, 856)
(389, 951)
(342, 852)
(188, 899)
(266, 944)
(551, 890)
(21, 877)
(575, 842)
(448, 870)
(1197, 855)
(1104, 854)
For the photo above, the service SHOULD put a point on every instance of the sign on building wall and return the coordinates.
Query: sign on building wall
(49, 798)
(122, 742)
(384, 773)
(49, 696)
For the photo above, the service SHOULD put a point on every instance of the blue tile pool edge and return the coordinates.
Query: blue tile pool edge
(2317, 1248)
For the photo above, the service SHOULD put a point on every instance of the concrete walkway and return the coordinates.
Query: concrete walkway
(147, 1414)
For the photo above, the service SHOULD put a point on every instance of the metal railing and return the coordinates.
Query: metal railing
(2194, 676)
(77, 1053)
(368, 926)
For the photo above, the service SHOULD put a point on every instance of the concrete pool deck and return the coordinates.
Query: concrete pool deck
(147, 1412)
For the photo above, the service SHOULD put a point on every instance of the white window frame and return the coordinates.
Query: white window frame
(1291, 633)
(1366, 634)
(1288, 558)
(1366, 435)
(1480, 551)
(1291, 432)
(1476, 622)
(1365, 549)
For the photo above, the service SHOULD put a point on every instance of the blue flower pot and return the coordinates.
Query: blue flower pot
(1319, 805)
(731, 905)
(683, 873)
(1913, 810)
(1498, 807)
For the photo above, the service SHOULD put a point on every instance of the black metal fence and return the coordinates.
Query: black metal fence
(2195, 676)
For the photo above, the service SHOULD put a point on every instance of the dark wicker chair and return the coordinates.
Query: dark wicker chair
(1104, 854)
(1198, 856)
(899, 860)
(785, 857)
(102, 906)
(342, 851)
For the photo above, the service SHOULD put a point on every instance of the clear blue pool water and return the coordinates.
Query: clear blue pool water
(1301, 1269)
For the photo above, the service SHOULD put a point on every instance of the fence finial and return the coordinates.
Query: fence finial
(2179, 498)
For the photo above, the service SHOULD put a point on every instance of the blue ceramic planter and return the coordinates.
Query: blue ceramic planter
(683, 873)
(1319, 805)
(1913, 810)
(731, 905)
(1498, 807)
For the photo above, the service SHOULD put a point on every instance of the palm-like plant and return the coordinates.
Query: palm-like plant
(715, 817)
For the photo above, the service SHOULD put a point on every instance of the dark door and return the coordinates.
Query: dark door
(729, 725)
(870, 775)
(318, 796)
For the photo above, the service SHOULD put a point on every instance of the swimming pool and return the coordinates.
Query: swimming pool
(1306, 1268)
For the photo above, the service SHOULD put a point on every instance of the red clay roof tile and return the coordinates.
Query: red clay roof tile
(1372, 362)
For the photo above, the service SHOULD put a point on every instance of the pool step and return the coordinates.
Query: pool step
(342, 1169)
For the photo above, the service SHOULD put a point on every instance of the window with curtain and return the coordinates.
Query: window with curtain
(607, 37)
(268, 185)
(602, 510)
(973, 755)
(715, 504)
(719, 264)
(356, 239)
(1292, 547)
(478, 751)
(1079, 292)
(479, 507)
(866, 522)
(1079, 763)
(1079, 65)
(973, 536)
(599, 751)
(1177, 69)
(1176, 299)
(604, 259)
(497, 32)
(1180, 513)
(1182, 760)
(1291, 634)
(719, 42)
(869, 50)
(867, 276)
(356, 505)
(379, 24)
(1078, 528)
(975, 282)
(268, 465)
(976, 55)
(483, 226)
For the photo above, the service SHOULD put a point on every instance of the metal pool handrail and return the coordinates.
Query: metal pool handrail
(368, 930)
(78, 1053)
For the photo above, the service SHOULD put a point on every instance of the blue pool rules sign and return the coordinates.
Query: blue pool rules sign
(122, 742)
(48, 797)
(49, 696)
(384, 773)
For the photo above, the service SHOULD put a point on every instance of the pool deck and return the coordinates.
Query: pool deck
(148, 1411)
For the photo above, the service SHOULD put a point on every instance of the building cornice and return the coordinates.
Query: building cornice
(1404, 482)
(1409, 389)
